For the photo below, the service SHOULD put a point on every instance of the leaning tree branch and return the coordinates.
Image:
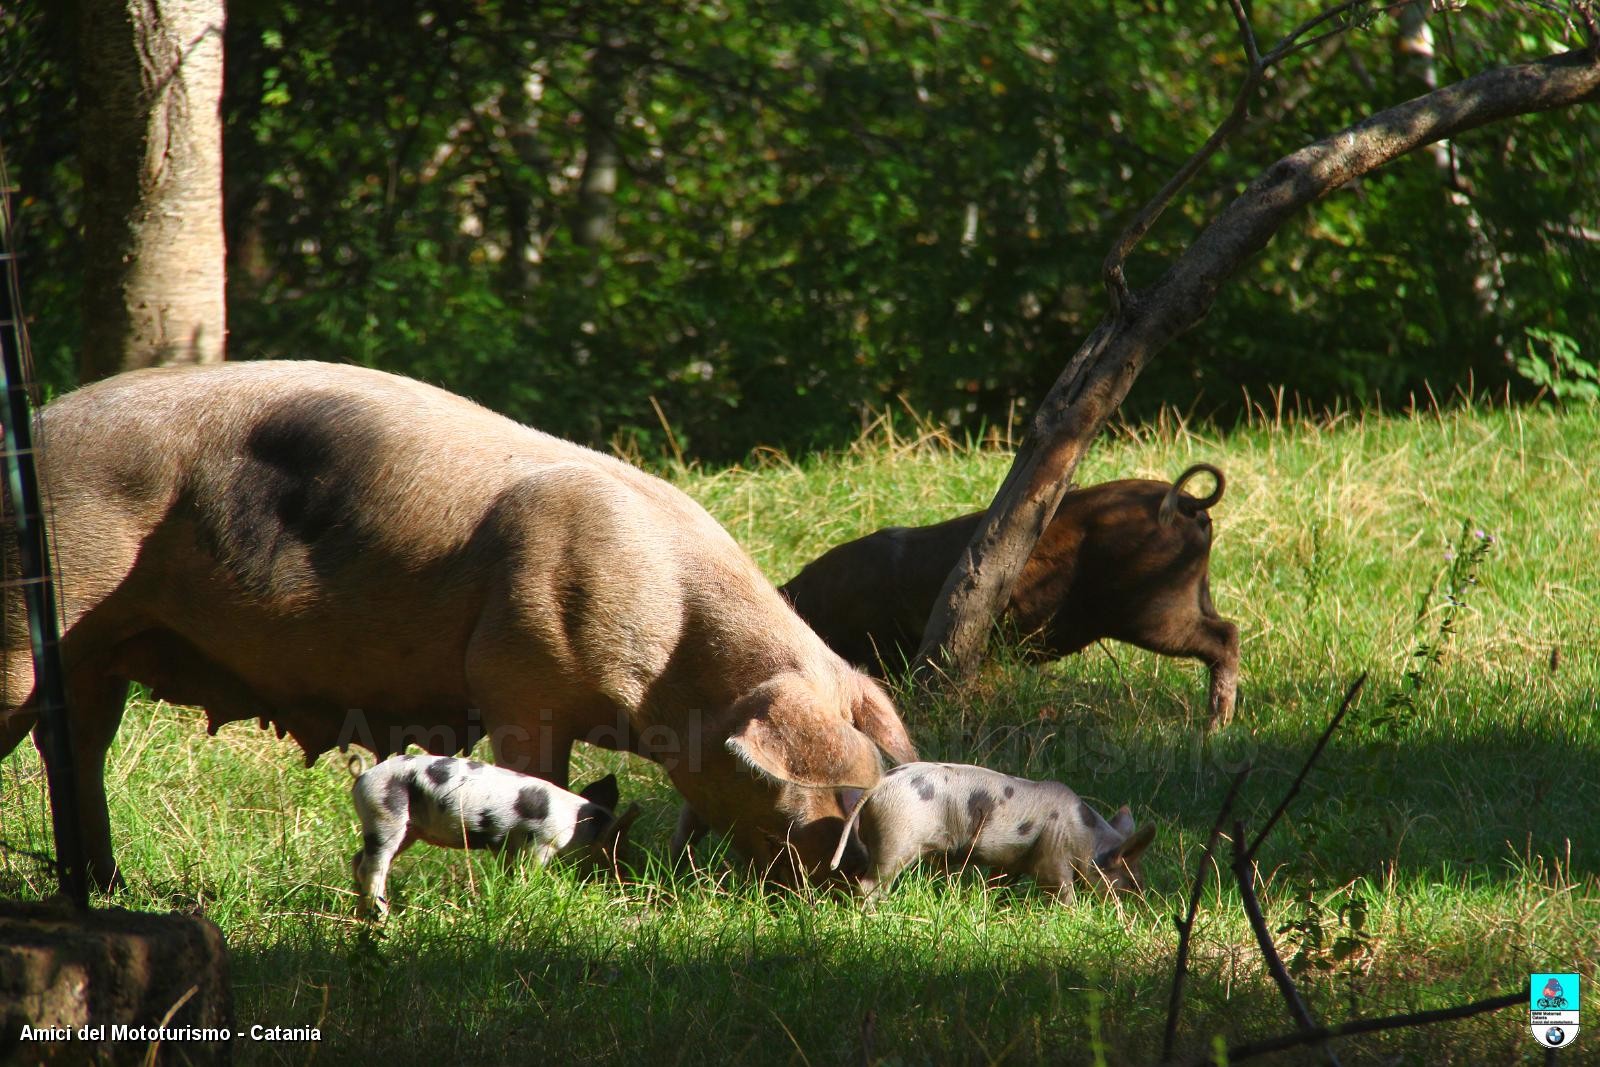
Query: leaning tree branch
(1103, 369)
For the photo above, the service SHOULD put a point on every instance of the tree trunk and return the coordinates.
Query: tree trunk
(597, 187)
(149, 97)
(1414, 63)
(1141, 323)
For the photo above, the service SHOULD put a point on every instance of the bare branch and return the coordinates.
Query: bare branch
(1252, 54)
(1244, 871)
(1185, 925)
(1290, 48)
(1291, 42)
(1309, 1032)
(1591, 31)
(1251, 1050)
(1111, 272)
(1294, 790)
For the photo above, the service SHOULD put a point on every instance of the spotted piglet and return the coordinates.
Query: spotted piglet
(462, 803)
(972, 814)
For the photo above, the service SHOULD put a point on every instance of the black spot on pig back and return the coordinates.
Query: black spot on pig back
(441, 771)
(416, 795)
(980, 803)
(290, 509)
(397, 794)
(532, 804)
(923, 787)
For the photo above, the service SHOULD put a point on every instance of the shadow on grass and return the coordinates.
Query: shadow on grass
(1480, 797)
(851, 993)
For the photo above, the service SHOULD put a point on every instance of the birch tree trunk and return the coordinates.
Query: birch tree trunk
(149, 97)
(597, 187)
(1415, 63)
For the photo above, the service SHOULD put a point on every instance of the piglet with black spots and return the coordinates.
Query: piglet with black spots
(975, 815)
(462, 803)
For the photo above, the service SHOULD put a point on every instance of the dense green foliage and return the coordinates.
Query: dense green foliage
(824, 205)
(1440, 851)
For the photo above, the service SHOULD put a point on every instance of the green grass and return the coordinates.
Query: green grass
(1464, 823)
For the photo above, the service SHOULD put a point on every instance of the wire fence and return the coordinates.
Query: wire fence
(31, 648)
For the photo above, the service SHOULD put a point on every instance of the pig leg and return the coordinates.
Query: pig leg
(517, 845)
(96, 701)
(1221, 654)
(511, 849)
(543, 757)
(1191, 631)
(1064, 892)
(1224, 664)
(14, 726)
(383, 840)
(16, 715)
(530, 726)
(16, 659)
(691, 830)
(1054, 875)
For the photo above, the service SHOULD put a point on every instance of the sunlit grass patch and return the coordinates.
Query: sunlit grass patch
(1462, 818)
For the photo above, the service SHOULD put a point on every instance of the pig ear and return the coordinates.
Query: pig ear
(786, 733)
(1129, 850)
(1122, 821)
(602, 792)
(874, 715)
(849, 798)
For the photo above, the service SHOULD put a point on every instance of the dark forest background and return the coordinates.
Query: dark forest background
(775, 219)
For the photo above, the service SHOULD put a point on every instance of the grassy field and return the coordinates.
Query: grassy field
(1442, 849)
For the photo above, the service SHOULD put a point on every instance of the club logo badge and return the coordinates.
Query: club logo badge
(1553, 1009)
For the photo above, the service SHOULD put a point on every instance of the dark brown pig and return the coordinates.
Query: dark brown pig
(1125, 560)
(357, 557)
